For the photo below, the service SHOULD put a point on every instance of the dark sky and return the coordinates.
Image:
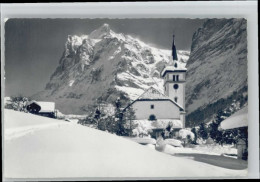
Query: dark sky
(33, 47)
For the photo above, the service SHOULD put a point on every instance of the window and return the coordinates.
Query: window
(152, 106)
(175, 78)
(152, 117)
(175, 65)
(175, 99)
(175, 86)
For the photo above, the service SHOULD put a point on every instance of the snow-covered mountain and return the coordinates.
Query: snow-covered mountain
(217, 67)
(105, 65)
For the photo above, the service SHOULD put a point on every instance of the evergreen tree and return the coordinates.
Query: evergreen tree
(89, 119)
(97, 114)
(119, 122)
(203, 132)
(111, 124)
(193, 130)
(242, 133)
(220, 136)
(214, 132)
(97, 117)
(128, 118)
(124, 120)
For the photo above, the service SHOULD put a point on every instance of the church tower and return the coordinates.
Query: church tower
(174, 80)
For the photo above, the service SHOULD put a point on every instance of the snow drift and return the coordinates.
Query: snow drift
(70, 150)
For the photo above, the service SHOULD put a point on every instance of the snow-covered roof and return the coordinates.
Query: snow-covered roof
(237, 120)
(153, 94)
(45, 106)
(179, 68)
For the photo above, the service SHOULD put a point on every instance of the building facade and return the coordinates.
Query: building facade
(168, 107)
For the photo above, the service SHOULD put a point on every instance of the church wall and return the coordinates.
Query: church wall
(181, 76)
(173, 93)
(162, 110)
(182, 116)
(179, 93)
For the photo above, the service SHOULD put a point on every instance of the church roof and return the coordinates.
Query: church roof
(152, 94)
(178, 68)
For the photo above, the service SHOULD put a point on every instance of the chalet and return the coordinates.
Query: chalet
(42, 108)
(164, 108)
(238, 121)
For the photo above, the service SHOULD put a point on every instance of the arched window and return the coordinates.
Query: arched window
(152, 117)
(175, 99)
(175, 86)
(175, 65)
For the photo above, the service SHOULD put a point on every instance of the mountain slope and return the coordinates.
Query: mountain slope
(217, 66)
(104, 65)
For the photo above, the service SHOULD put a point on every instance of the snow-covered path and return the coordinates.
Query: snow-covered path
(70, 150)
(216, 160)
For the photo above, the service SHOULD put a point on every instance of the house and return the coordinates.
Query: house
(164, 108)
(42, 108)
(238, 121)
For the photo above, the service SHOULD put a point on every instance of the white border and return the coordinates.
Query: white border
(217, 9)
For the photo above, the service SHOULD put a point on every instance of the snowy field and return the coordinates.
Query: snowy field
(39, 147)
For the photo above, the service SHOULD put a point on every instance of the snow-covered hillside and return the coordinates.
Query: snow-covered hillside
(105, 64)
(218, 62)
(55, 148)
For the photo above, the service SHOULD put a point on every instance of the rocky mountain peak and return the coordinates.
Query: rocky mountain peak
(101, 32)
(105, 65)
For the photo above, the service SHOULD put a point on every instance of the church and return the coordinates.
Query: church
(160, 109)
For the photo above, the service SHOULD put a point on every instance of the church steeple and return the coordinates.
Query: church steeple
(174, 52)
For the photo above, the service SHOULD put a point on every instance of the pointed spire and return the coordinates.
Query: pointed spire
(174, 52)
